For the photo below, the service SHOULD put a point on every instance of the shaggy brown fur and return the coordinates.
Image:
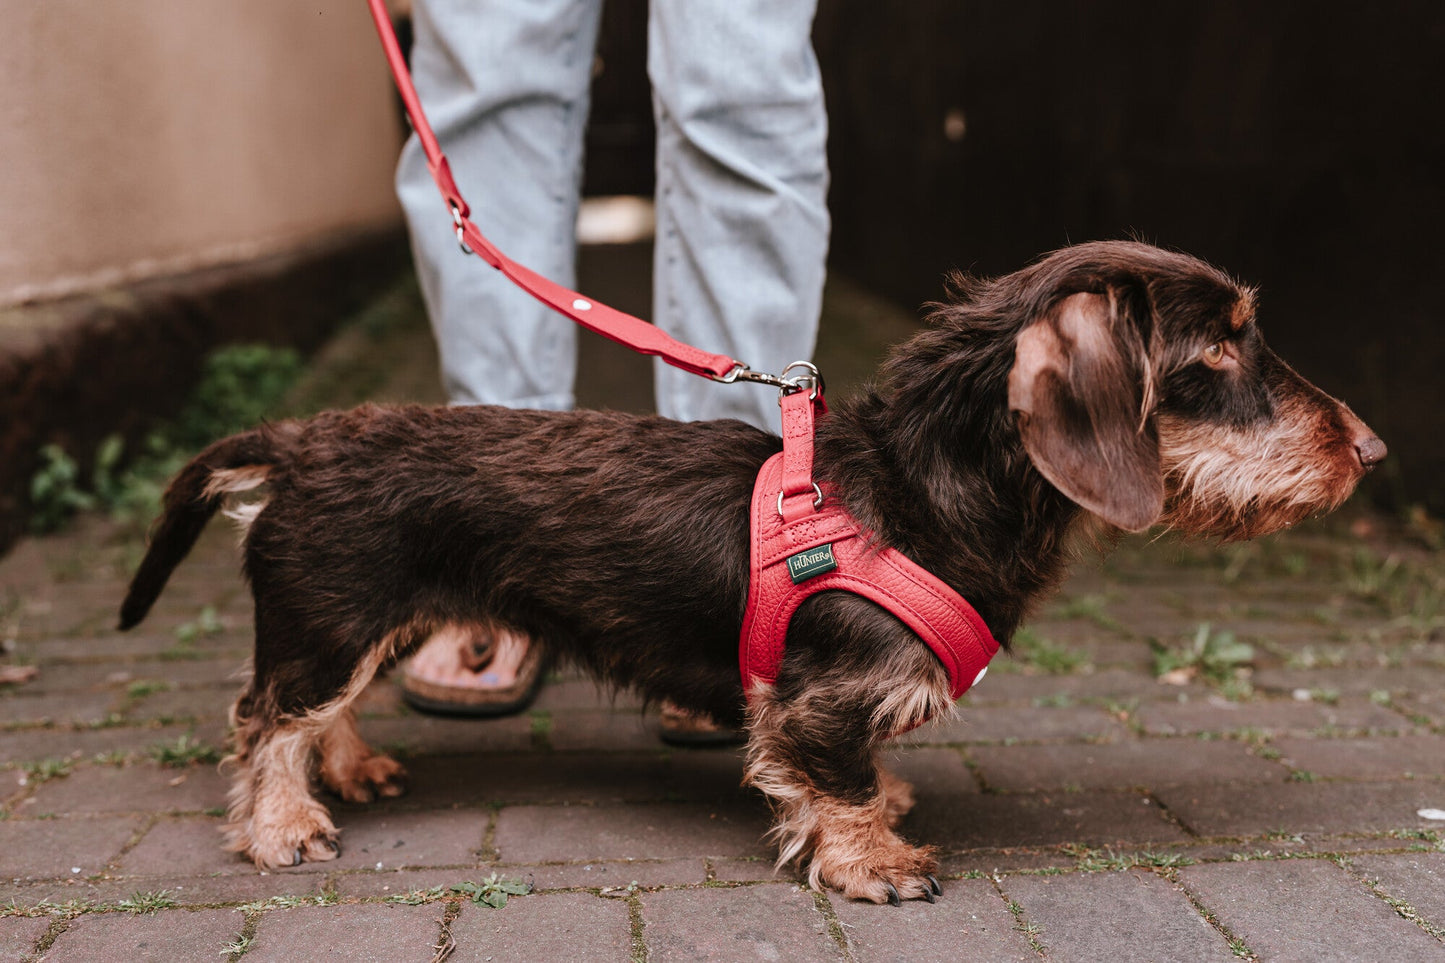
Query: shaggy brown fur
(1109, 383)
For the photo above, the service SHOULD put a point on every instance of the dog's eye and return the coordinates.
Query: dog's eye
(1214, 354)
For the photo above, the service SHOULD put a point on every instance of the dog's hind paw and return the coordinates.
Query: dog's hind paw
(376, 776)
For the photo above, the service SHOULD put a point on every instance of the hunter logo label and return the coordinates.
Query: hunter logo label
(815, 561)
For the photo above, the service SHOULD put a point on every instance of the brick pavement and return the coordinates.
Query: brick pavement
(1083, 809)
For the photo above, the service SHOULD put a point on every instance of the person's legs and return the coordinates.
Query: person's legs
(505, 85)
(742, 179)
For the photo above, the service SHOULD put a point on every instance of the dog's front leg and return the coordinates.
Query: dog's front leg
(815, 757)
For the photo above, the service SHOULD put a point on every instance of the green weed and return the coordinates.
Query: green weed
(1047, 656)
(185, 751)
(146, 903)
(493, 891)
(46, 770)
(1214, 656)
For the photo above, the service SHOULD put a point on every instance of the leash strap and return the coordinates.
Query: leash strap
(609, 322)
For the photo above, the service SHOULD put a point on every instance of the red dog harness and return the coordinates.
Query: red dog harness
(801, 543)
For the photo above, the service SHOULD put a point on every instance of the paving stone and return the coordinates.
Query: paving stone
(1323, 843)
(1040, 819)
(1417, 878)
(374, 933)
(1148, 918)
(1337, 807)
(602, 729)
(1384, 757)
(1306, 910)
(245, 887)
(1273, 717)
(49, 848)
(427, 735)
(753, 871)
(32, 745)
(204, 702)
(1359, 680)
(714, 773)
(1149, 762)
(996, 861)
(18, 936)
(144, 787)
(165, 937)
(935, 773)
(584, 693)
(1117, 684)
(969, 921)
(390, 840)
(992, 724)
(114, 677)
(392, 883)
(769, 921)
(538, 834)
(544, 926)
(381, 698)
(619, 873)
(61, 709)
(1431, 705)
(183, 847)
(500, 778)
(139, 644)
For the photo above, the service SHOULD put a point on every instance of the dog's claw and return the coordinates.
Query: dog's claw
(933, 884)
(928, 895)
(893, 898)
(296, 858)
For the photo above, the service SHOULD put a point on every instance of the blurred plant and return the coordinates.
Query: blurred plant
(1214, 656)
(239, 386)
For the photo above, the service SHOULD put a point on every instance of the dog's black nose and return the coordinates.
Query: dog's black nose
(1371, 451)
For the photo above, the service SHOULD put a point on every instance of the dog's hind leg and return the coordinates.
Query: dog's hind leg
(273, 818)
(352, 769)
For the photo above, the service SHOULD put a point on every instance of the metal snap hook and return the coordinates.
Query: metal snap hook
(461, 233)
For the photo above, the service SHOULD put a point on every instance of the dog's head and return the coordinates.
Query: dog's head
(1144, 391)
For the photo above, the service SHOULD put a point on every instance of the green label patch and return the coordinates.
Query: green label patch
(814, 561)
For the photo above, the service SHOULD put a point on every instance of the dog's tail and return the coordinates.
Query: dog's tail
(238, 463)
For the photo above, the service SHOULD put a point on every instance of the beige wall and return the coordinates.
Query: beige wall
(147, 137)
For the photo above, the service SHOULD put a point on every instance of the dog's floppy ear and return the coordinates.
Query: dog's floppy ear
(1082, 389)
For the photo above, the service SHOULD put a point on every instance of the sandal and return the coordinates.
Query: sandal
(475, 654)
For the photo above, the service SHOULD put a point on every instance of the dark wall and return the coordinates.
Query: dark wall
(1300, 146)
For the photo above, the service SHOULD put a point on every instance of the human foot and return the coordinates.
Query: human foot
(473, 670)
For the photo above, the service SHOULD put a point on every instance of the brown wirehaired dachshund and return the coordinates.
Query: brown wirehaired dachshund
(1111, 385)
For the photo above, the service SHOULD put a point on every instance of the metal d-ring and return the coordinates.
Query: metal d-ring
(817, 499)
(813, 378)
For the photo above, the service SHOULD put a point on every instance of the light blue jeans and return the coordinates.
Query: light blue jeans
(742, 224)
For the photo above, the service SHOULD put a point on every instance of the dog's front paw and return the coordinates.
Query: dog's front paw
(376, 776)
(889, 873)
(303, 837)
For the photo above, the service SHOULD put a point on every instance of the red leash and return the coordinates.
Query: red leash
(607, 321)
(799, 547)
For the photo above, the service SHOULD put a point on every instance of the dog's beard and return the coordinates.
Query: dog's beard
(1236, 483)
